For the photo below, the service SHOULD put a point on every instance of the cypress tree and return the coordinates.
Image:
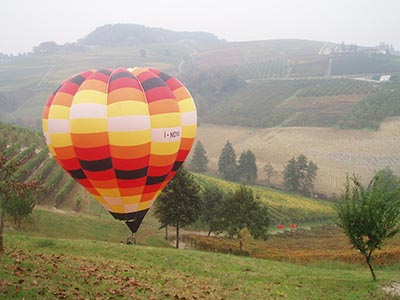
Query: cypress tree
(227, 165)
(199, 161)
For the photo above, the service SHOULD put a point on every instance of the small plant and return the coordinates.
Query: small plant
(78, 202)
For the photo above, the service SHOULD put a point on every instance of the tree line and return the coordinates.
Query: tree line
(298, 175)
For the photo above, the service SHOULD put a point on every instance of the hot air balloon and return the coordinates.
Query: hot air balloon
(122, 134)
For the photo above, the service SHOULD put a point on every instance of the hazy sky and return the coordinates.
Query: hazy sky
(27, 23)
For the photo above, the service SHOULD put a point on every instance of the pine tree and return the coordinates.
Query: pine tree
(299, 175)
(311, 173)
(199, 161)
(227, 164)
(247, 167)
(269, 171)
(290, 176)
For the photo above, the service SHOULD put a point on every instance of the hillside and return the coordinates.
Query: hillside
(262, 83)
(60, 190)
(284, 208)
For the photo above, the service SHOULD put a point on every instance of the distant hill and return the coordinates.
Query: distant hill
(268, 83)
(132, 34)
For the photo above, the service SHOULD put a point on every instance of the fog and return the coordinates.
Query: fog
(25, 23)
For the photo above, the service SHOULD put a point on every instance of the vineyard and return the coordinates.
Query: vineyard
(29, 149)
(335, 87)
(302, 102)
(322, 243)
(365, 64)
(269, 69)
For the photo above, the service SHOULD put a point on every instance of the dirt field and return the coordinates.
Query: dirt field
(337, 152)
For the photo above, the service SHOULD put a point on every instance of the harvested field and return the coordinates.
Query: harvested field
(337, 152)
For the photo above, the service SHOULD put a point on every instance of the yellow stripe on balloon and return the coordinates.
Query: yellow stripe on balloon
(130, 138)
(60, 139)
(88, 125)
(127, 108)
(164, 148)
(59, 112)
(89, 96)
(166, 120)
(189, 131)
(187, 105)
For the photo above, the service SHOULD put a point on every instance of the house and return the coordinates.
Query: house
(384, 78)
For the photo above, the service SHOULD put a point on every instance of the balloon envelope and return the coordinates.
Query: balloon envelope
(122, 134)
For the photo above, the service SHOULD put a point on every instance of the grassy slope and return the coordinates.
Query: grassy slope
(38, 268)
(284, 207)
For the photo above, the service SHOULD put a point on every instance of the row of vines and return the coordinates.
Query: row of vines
(28, 148)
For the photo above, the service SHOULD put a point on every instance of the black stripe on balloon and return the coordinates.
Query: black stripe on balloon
(133, 220)
(122, 75)
(164, 76)
(132, 216)
(104, 71)
(131, 174)
(78, 79)
(96, 165)
(77, 174)
(152, 83)
(155, 179)
(177, 165)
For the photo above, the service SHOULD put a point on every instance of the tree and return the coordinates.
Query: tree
(269, 171)
(20, 208)
(299, 175)
(247, 167)
(290, 176)
(13, 194)
(311, 173)
(213, 208)
(227, 164)
(199, 161)
(370, 215)
(244, 210)
(48, 47)
(179, 204)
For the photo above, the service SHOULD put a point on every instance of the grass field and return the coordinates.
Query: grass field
(46, 268)
(337, 152)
